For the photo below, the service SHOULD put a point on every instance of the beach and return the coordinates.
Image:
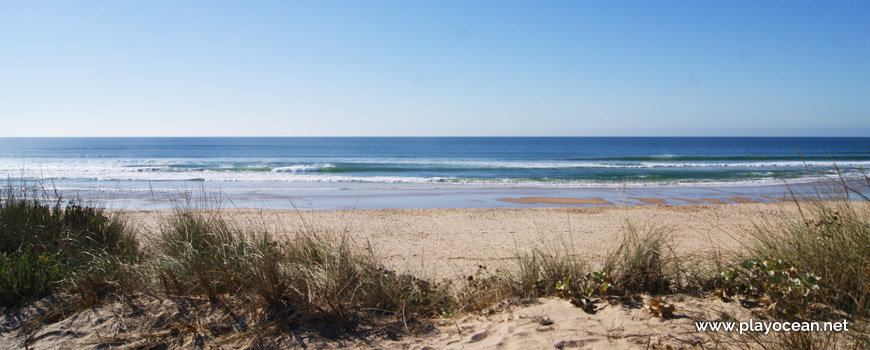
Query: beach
(419, 243)
(458, 245)
(452, 243)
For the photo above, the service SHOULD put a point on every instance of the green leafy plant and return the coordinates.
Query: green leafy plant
(601, 282)
(52, 244)
(28, 275)
(779, 285)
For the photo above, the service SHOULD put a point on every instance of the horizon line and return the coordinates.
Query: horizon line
(440, 136)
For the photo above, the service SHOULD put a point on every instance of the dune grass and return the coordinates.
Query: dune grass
(809, 265)
(537, 272)
(297, 278)
(832, 242)
(642, 262)
(51, 245)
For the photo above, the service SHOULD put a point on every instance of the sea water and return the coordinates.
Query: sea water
(262, 168)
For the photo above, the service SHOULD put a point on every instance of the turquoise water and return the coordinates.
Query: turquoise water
(126, 167)
(497, 161)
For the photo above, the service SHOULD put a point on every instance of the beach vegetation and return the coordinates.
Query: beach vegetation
(808, 265)
(46, 246)
(643, 262)
(825, 253)
(296, 278)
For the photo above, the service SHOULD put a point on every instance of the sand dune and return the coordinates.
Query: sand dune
(556, 324)
(443, 243)
(547, 323)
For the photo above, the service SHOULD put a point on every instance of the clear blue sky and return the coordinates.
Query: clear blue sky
(434, 68)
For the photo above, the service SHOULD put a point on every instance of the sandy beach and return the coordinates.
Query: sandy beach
(453, 244)
(450, 243)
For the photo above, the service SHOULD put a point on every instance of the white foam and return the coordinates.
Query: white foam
(301, 168)
(87, 169)
(151, 169)
(587, 164)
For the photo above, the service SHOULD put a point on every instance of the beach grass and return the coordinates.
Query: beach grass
(48, 245)
(293, 277)
(642, 262)
(830, 241)
(812, 265)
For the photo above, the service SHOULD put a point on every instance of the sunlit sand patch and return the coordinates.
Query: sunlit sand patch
(649, 200)
(555, 200)
(714, 200)
(692, 201)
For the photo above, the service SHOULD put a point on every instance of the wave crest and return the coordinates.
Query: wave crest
(302, 168)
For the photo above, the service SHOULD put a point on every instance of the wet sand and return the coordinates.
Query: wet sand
(447, 195)
(553, 200)
(741, 200)
(650, 200)
(690, 201)
(633, 200)
(714, 200)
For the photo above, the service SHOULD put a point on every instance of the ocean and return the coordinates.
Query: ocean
(261, 169)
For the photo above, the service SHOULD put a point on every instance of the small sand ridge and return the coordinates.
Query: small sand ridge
(650, 200)
(691, 201)
(555, 200)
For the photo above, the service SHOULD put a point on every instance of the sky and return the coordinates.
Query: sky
(434, 68)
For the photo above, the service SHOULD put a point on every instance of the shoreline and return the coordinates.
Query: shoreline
(416, 197)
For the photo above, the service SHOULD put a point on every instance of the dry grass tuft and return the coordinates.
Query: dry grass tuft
(307, 276)
(643, 262)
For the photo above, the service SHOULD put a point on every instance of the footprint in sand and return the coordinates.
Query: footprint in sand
(478, 337)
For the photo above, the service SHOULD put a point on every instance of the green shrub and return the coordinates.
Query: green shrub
(92, 247)
(27, 275)
(830, 241)
(787, 290)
